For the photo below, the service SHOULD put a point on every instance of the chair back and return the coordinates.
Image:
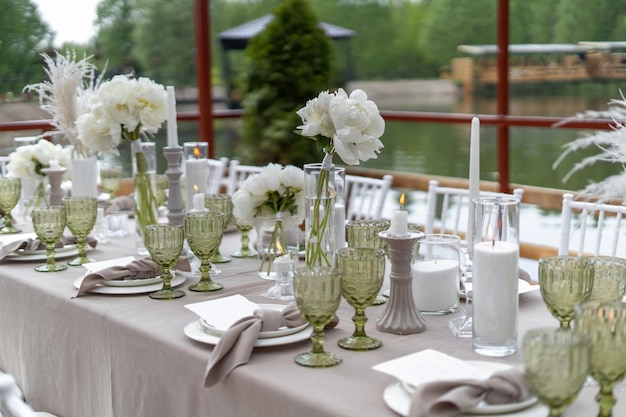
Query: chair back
(4, 162)
(217, 170)
(237, 173)
(454, 204)
(11, 402)
(589, 220)
(365, 196)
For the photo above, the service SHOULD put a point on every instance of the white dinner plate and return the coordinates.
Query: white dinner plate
(137, 289)
(398, 398)
(196, 331)
(40, 255)
(130, 282)
(283, 331)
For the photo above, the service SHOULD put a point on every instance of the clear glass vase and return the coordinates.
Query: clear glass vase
(277, 235)
(33, 194)
(144, 180)
(321, 186)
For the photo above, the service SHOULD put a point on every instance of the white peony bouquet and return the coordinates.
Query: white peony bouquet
(29, 160)
(351, 127)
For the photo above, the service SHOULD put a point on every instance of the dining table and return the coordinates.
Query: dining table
(127, 355)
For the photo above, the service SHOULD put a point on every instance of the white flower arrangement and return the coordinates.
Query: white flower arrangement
(611, 145)
(352, 125)
(122, 108)
(274, 190)
(66, 93)
(29, 160)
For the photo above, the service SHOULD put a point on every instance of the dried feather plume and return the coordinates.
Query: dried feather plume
(611, 145)
(66, 94)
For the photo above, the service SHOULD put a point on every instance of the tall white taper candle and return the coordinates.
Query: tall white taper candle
(474, 180)
(172, 124)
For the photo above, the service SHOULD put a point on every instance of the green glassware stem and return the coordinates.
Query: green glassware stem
(317, 339)
(166, 276)
(245, 241)
(359, 320)
(50, 261)
(606, 399)
(205, 271)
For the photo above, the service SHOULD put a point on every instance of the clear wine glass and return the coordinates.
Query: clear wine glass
(165, 243)
(318, 292)
(80, 217)
(10, 189)
(222, 203)
(363, 274)
(605, 326)
(556, 364)
(49, 224)
(204, 231)
(564, 282)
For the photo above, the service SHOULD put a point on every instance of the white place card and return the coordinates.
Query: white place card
(430, 365)
(223, 312)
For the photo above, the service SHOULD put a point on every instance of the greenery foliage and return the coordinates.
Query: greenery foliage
(286, 65)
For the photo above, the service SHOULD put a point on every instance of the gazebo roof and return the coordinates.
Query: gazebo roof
(237, 37)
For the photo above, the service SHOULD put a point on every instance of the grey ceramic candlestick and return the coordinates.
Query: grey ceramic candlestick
(55, 177)
(400, 315)
(175, 206)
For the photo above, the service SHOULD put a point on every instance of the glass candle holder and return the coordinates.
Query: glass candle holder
(196, 168)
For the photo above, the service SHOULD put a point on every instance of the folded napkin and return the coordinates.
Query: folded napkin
(143, 268)
(121, 203)
(235, 346)
(33, 244)
(451, 398)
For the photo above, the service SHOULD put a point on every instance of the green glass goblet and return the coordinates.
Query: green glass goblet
(564, 281)
(363, 273)
(165, 243)
(220, 203)
(204, 231)
(318, 292)
(245, 252)
(10, 189)
(609, 278)
(80, 215)
(364, 234)
(556, 362)
(605, 325)
(111, 179)
(49, 224)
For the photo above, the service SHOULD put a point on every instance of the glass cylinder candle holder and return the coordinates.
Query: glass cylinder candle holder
(196, 169)
(495, 275)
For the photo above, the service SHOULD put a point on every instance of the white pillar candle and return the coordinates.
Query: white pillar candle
(435, 284)
(474, 179)
(172, 124)
(198, 202)
(196, 173)
(399, 223)
(495, 292)
(85, 177)
(340, 225)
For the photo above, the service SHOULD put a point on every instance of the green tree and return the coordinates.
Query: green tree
(287, 64)
(115, 20)
(23, 36)
(588, 20)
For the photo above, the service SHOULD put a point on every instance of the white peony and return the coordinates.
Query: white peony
(28, 160)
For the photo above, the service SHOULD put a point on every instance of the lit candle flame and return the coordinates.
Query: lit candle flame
(279, 248)
(196, 152)
(196, 189)
(402, 202)
(490, 234)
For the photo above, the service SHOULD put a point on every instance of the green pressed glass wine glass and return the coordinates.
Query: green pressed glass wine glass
(364, 234)
(80, 215)
(204, 231)
(220, 203)
(111, 179)
(605, 325)
(49, 224)
(245, 252)
(318, 292)
(10, 189)
(564, 281)
(165, 243)
(363, 273)
(556, 362)
(609, 278)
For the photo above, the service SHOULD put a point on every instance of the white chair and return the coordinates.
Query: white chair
(217, 169)
(4, 162)
(590, 220)
(12, 402)
(365, 197)
(237, 173)
(454, 203)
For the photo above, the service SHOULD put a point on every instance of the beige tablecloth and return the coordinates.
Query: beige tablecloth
(127, 355)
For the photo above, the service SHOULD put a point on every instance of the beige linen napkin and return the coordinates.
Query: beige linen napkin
(143, 268)
(33, 244)
(451, 398)
(235, 346)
